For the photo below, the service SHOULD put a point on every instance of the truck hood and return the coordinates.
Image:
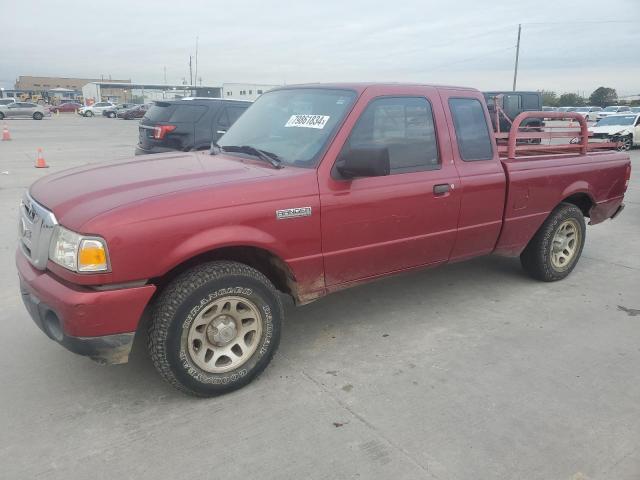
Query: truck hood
(80, 194)
(611, 129)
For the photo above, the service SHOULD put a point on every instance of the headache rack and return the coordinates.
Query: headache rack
(543, 138)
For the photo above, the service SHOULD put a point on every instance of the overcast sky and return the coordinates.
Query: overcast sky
(461, 42)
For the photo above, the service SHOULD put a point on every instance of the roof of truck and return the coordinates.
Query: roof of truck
(361, 86)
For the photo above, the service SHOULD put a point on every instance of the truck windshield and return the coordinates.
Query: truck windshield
(294, 124)
(617, 120)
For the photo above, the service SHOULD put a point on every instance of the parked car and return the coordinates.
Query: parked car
(635, 109)
(7, 101)
(188, 124)
(514, 103)
(613, 110)
(113, 111)
(549, 109)
(95, 109)
(312, 190)
(24, 109)
(567, 109)
(589, 113)
(66, 107)
(624, 128)
(135, 112)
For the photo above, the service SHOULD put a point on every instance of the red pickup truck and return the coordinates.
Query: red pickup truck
(314, 189)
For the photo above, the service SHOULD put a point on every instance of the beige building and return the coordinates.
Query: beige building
(43, 84)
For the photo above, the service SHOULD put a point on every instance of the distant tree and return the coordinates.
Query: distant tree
(604, 96)
(549, 98)
(570, 100)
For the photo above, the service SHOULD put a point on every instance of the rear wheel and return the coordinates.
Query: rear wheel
(1, 116)
(88, 113)
(37, 116)
(215, 328)
(554, 250)
(112, 115)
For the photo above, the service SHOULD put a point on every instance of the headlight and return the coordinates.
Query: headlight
(77, 252)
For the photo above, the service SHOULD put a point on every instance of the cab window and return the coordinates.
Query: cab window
(472, 131)
(402, 125)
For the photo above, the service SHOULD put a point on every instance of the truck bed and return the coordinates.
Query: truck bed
(535, 183)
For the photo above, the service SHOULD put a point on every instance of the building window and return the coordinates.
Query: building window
(36, 84)
(250, 92)
(259, 92)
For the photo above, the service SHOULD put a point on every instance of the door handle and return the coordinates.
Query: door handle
(441, 188)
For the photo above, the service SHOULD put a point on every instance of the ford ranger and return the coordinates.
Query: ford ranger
(314, 189)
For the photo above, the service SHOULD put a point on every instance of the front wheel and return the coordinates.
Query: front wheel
(112, 115)
(625, 143)
(37, 116)
(1, 116)
(554, 250)
(215, 328)
(88, 114)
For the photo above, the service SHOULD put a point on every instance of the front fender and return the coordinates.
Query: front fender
(221, 237)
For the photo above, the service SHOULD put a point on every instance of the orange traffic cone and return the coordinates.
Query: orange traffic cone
(40, 161)
(5, 133)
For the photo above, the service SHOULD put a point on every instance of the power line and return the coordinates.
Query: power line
(488, 54)
(582, 22)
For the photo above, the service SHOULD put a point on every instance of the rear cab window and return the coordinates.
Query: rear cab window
(471, 129)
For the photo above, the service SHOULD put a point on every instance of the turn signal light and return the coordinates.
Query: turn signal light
(159, 131)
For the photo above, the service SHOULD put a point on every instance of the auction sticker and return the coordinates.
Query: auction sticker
(307, 121)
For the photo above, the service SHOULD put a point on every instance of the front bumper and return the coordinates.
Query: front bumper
(100, 324)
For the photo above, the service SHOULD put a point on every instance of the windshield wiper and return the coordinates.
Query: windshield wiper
(269, 157)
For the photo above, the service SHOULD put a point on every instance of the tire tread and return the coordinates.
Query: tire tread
(170, 299)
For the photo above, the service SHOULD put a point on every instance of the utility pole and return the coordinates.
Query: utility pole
(515, 70)
(196, 76)
(190, 72)
(165, 75)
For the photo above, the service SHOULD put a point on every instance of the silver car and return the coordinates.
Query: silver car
(24, 109)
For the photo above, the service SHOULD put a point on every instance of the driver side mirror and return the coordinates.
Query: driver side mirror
(363, 162)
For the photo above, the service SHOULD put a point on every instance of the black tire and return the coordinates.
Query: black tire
(536, 259)
(88, 114)
(112, 115)
(1, 116)
(176, 309)
(37, 116)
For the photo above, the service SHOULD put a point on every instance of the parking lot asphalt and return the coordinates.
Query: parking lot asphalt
(469, 371)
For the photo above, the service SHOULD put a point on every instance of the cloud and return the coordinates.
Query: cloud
(464, 42)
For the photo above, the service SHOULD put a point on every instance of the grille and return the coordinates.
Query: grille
(35, 228)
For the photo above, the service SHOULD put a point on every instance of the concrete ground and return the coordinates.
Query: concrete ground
(470, 371)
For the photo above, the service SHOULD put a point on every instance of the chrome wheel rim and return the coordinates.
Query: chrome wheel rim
(225, 334)
(565, 244)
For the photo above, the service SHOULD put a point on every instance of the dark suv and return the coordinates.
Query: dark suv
(187, 124)
(514, 103)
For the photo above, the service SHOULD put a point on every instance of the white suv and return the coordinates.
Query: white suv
(95, 109)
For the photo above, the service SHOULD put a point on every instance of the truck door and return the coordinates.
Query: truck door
(376, 225)
(482, 178)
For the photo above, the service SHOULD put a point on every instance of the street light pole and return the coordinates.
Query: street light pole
(515, 70)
